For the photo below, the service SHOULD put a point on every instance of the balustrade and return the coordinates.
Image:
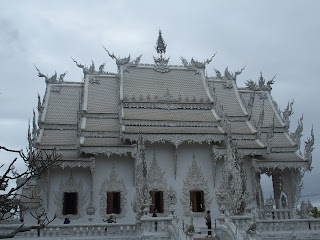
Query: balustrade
(158, 224)
(288, 225)
(275, 214)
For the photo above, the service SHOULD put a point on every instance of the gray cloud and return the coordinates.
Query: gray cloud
(270, 36)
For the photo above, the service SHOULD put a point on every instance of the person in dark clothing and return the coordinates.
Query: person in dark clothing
(154, 214)
(110, 219)
(66, 221)
(208, 222)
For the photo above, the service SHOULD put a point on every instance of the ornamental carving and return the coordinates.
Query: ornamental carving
(161, 64)
(287, 113)
(70, 185)
(113, 184)
(82, 164)
(108, 151)
(119, 61)
(195, 181)
(204, 105)
(232, 195)
(296, 136)
(94, 80)
(55, 89)
(228, 85)
(176, 139)
(158, 182)
(227, 74)
(260, 166)
(308, 149)
(262, 84)
(53, 78)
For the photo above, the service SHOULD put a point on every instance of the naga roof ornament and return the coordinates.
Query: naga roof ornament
(287, 113)
(262, 84)
(194, 64)
(227, 74)
(53, 78)
(119, 61)
(308, 149)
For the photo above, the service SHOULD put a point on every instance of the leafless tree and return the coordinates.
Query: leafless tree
(37, 164)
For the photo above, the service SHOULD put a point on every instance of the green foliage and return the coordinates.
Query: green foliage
(315, 212)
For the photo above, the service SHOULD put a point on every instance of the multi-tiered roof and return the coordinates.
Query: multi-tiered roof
(108, 112)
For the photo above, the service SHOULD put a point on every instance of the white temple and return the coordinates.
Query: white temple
(171, 138)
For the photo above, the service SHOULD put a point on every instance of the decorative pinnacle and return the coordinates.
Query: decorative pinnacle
(161, 45)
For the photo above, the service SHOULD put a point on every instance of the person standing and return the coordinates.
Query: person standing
(154, 214)
(208, 222)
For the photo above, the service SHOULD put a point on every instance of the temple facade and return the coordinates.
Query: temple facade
(170, 139)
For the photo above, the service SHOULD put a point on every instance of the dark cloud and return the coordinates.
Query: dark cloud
(270, 36)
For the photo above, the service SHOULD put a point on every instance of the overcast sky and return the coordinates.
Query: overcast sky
(275, 37)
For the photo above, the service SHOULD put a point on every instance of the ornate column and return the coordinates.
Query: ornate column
(256, 188)
(91, 209)
(292, 186)
(141, 201)
(276, 181)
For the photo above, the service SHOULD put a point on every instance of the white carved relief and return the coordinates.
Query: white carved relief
(176, 139)
(158, 182)
(113, 184)
(260, 166)
(70, 185)
(195, 181)
(107, 150)
(232, 195)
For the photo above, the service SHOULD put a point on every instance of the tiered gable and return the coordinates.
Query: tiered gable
(282, 151)
(59, 116)
(165, 104)
(100, 124)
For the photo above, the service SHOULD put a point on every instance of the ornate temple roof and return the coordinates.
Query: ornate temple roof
(107, 112)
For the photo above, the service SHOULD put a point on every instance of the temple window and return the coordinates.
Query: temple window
(113, 203)
(70, 203)
(157, 201)
(197, 201)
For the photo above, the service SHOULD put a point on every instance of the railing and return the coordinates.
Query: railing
(288, 225)
(275, 214)
(241, 222)
(155, 224)
(80, 230)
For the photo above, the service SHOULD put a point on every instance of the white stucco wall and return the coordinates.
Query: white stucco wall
(124, 166)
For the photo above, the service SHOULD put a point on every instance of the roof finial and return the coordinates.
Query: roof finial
(161, 45)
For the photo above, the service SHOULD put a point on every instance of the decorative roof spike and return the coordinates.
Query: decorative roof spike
(287, 113)
(39, 103)
(308, 149)
(119, 61)
(296, 136)
(161, 45)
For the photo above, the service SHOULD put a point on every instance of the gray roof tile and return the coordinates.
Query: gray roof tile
(102, 125)
(147, 82)
(59, 137)
(63, 106)
(103, 97)
(227, 98)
